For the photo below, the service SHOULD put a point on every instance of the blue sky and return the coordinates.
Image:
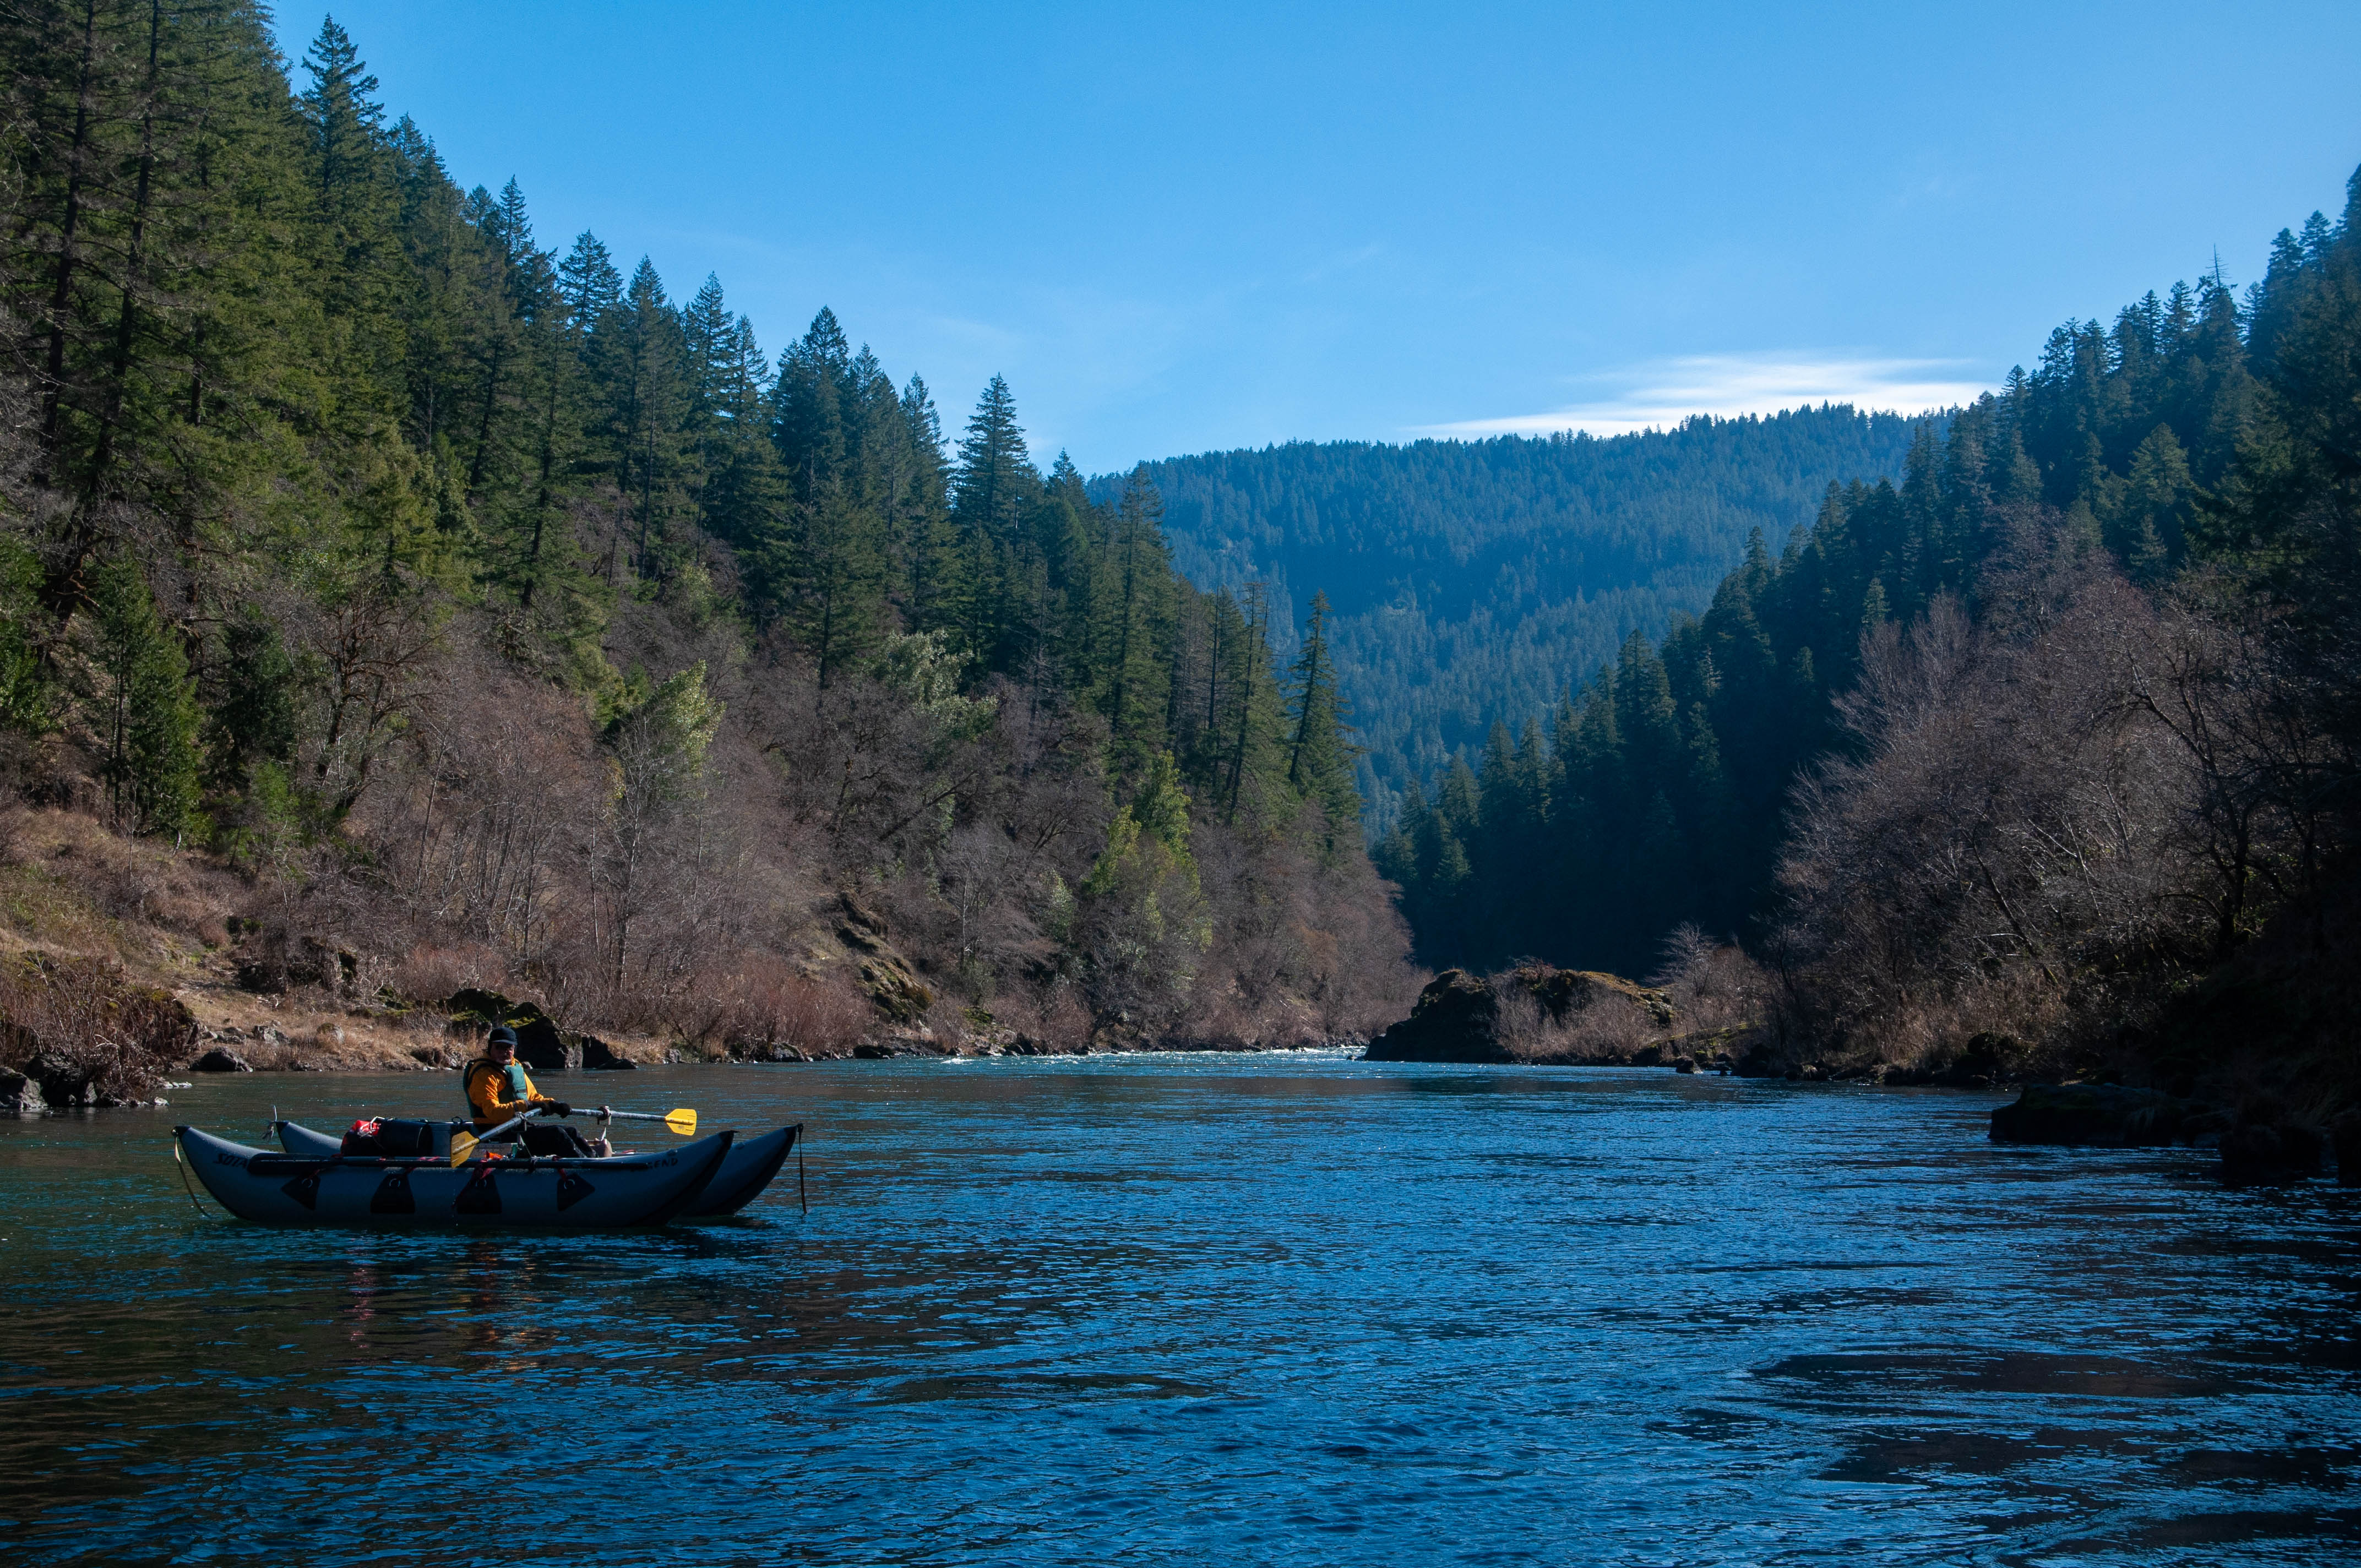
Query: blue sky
(1177, 228)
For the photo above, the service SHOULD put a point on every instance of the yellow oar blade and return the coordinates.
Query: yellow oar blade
(683, 1120)
(462, 1145)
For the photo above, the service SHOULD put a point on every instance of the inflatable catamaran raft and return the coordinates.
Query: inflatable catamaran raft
(320, 1179)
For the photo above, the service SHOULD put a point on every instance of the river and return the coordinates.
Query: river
(1169, 1309)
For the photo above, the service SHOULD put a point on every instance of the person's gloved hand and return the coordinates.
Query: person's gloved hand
(557, 1108)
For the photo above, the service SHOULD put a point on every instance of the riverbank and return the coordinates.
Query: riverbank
(127, 961)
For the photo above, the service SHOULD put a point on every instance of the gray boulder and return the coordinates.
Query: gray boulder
(598, 1056)
(2345, 1134)
(64, 1081)
(540, 1044)
(2106, 1114)
(2269, 1154)
(19, 1095)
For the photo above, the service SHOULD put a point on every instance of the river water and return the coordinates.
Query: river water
(1288, 1309)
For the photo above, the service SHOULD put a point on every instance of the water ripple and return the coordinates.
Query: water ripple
(1168, 1309)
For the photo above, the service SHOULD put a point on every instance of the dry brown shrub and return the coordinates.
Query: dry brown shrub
(764, 1005)
(479, 820)
(1051, 1015)
(1224, 1019)
(2034, 829)
(1712, 985)
(431, 973)
(1305, 949)
(1930, 1033)
(86, 1033)
(499, 853)
(1610, 1028)
(1064, 1020)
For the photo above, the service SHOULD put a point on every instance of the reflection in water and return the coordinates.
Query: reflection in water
(1169, 1309)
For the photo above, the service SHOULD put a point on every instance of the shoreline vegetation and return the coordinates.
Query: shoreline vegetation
(393, 606)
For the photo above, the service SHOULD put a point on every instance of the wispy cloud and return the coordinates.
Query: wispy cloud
(1660, 393)
(1343, 261)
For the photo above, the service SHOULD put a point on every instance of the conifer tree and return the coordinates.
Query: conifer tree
(646, 392)
(827, 573)
(746, 492)
(1251, 728)
(252, 719)
(143, 169)
(809, 414)
(1320, 755)
(1129, 605)
(351, 178)
(918, 510)
(991, 488)
(589, 283)
(344, 118)
(2152, 518)
(143, 706)
(992, 482)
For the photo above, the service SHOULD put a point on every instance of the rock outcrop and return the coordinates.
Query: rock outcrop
(2271, 1153)
(2345, 1135)
(896, 1046)
(1455, 1018)
(20, 1096)
(540, 1044)
(2263, 1147)
(1565, 992)
(1579, 1017)
(886, 974)
(2106, 1114)
(221, 1058)
(270, 959)
(598, 1056)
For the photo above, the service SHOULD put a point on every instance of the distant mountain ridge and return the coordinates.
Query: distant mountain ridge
(1474, 581)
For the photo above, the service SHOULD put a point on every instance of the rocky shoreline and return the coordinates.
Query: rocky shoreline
(1537, 1016)
(2260, 1145)
(396, 1039)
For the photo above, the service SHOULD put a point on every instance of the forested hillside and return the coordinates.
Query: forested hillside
(502, 619)
(2053, 742)
(1656, 792)
(1474, 581)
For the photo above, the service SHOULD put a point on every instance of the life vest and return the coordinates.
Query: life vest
(519, 1086)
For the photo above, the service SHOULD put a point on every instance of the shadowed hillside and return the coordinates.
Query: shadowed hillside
(1474, 581)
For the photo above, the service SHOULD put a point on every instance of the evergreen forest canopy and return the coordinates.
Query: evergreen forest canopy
(2066, 714)
(1477, 581)
(481, 596)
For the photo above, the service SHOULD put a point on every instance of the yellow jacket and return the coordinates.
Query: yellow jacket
(497, 1091)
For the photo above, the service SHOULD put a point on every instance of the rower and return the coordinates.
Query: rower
(498, 1090)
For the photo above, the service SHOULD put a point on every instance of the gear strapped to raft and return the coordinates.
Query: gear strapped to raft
(394, 1136)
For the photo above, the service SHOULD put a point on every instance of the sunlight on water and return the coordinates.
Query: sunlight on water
(1189, 1307)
